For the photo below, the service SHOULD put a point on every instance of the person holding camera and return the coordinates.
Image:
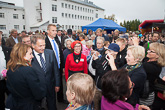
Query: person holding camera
(102, 65)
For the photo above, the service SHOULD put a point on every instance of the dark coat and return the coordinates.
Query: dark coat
(49, 46)
(138, 77)
(120, 58)
(102, 66)
(51, 77)
(152, 70)
(6, 51)
(25, 87)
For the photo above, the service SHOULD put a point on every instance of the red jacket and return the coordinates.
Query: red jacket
(73, 66)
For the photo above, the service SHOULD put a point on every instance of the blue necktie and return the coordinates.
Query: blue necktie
(56, 52)
(42, 62)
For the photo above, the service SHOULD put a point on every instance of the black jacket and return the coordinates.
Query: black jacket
(25, 88)
(102, 66)
(120, 58)
(138, 77)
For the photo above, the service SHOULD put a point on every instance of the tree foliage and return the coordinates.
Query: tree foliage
(131, 25)
(112, 17)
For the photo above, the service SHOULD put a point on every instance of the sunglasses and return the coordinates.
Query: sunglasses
(151, 51)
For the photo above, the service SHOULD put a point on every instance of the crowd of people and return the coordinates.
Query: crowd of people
(102, 71)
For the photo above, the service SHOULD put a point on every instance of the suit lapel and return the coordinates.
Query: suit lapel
(48, 44)
(35, 64)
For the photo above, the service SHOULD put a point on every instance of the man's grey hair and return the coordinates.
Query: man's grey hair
(35, 37)
(101, 38)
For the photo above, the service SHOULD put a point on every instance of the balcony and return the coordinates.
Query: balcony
(38, 9)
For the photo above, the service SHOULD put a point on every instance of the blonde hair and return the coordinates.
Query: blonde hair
(99, 29)
(101, 38)
(17, 56)
(83, 86)
(48, 27)
(122, 40)
(138, 52)
(160, 50)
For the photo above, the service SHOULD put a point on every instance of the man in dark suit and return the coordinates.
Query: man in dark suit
(45, 64)
(53, 43)
(13, 38)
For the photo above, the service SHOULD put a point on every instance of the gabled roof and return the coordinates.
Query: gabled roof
(39, 24)
(86, 3)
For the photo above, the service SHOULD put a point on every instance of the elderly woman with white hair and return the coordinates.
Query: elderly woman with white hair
(67, 44)
(137, 74)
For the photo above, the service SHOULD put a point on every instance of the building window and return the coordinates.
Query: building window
(75, 7)
(16, 27)
(88, 18)
(54, 19)
(78, 8)
(62, 5)
(54, 7)
(92, 18)
(72, 26)
(65, 5)
(75, 16)
(72, 16)
(2, 15)
(15, 9)
(23, 27)
(62, 14)
(15, 16)
(23, 16)
(66, 26)
(2, 27)
(65, 15)
(96, 15)
(83, 9)
(72, 7)
(88, 10)
(78, 16)
(69, 6)
(69, 15)
(83, 17)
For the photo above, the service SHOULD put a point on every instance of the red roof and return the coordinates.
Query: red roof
(147, 23)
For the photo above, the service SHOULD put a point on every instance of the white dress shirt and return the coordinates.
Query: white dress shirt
(38, 57)
(59, 37)
(51, 42)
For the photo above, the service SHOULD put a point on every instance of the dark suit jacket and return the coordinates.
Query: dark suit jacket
(25, 88)
(51, 78)
(49, 46)
(10, 41)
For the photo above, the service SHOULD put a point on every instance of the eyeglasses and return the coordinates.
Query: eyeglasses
(151, 51)
(132, 86)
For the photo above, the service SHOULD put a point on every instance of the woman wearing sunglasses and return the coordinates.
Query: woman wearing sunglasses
(116, 88)
(153, 65)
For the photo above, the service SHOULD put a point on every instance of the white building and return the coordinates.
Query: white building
(64, 13)
(11, 17)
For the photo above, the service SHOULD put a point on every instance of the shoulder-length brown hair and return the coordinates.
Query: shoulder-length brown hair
(17, 56)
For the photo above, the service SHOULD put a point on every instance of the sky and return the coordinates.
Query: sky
(126, 9)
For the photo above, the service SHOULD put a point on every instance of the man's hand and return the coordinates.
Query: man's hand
(57, 89)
